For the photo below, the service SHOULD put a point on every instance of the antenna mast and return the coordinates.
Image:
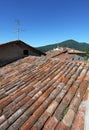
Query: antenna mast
(18, 28)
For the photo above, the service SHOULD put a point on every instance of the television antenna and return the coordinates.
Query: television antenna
(18, 30)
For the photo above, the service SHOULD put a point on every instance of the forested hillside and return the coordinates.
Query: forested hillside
(68, 43)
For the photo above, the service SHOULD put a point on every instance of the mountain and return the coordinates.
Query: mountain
(68, 43)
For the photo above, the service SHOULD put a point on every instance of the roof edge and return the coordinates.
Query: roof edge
(23, 43)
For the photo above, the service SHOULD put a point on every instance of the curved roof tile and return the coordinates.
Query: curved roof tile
(41, 93)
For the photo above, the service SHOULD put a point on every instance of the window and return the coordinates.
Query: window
(25, 52)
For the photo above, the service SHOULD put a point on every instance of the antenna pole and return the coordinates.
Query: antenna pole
(17, 23)
(18, 33)
(18, 28)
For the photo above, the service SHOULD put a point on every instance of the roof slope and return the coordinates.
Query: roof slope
(23, 43)
(42, 93)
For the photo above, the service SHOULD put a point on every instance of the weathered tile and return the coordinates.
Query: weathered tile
(35, 92)
(69, 117)
(50, 124)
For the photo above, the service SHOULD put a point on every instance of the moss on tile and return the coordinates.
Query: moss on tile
(64, 113)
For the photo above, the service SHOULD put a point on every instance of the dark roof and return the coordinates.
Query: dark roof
(23, 43)
(41, 93)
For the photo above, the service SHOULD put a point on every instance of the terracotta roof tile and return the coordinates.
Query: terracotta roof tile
(50, 124)
(79, 119)
(42, 93)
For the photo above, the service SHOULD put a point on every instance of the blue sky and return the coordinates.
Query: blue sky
(44, 21)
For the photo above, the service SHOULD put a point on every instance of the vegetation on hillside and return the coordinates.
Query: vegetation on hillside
(69, 43)
(87, 56)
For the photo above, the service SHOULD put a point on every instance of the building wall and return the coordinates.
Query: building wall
(11, 52)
